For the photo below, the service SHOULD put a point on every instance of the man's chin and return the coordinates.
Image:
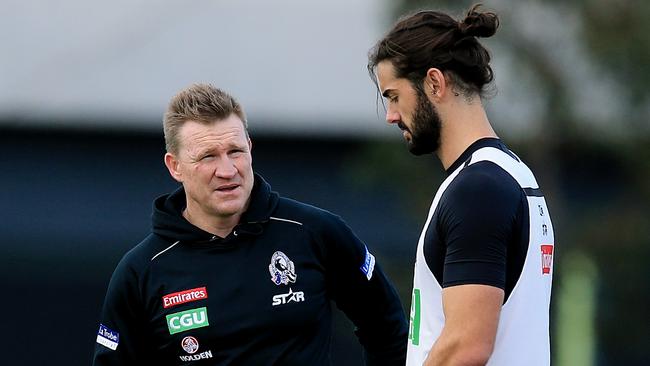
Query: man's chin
(229, 210)
(418, 149)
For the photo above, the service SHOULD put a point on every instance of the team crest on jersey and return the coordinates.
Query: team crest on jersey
(282, 269)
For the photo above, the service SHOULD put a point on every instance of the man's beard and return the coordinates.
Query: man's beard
(426, 124)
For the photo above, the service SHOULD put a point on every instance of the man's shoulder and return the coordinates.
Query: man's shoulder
(484, 177)
(482, 186)
(140, 256)
(306, 214)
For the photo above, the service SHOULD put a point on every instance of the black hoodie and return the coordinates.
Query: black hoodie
(259, 296)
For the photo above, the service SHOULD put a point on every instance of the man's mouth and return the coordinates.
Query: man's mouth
(227, 187)
(402, 126)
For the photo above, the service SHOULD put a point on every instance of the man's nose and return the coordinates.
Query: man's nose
(392, 116)
(225, 168)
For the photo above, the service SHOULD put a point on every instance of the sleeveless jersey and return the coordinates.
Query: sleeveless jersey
(523, 331)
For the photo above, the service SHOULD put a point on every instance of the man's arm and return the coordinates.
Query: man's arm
(362, 291)
(471, 319)
(479, 217)
(119, 338)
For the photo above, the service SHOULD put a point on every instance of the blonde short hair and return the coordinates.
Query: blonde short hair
(201, 103)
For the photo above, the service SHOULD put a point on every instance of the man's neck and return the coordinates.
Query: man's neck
(219, 226)
(464, 125)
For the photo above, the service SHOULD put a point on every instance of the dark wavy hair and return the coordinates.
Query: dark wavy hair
(434, 39)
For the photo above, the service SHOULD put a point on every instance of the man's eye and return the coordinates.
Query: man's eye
(392, 99)
(207, 157)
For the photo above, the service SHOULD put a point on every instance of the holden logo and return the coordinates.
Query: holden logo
(190, 345)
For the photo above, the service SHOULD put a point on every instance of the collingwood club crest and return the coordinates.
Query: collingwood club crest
(282, 269)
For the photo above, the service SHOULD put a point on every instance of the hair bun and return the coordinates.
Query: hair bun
(479, 24)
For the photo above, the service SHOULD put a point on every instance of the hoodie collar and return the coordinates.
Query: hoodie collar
(168, 221)
(263, 202)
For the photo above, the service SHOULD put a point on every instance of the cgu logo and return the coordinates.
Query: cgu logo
(288, 297)
(186, 320)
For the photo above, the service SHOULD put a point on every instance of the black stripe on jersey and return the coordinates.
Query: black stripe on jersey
(533, 192)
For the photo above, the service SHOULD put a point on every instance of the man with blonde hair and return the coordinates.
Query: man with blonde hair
(235, 274)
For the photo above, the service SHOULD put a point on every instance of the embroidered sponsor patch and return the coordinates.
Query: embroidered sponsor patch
(547, 258)
(414, 318)
(185, 296)
(199, 356)
(190, 345)
(282, 269)
(186, 320)
(282, 299)
(108, 338)
(368, 265)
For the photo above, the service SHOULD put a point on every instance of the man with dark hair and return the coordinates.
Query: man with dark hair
(482, 281)
(234, 274)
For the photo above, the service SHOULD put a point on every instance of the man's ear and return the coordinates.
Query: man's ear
(436, 83)
(171, 162)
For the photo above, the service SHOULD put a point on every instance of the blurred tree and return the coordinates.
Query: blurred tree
(617, 34)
